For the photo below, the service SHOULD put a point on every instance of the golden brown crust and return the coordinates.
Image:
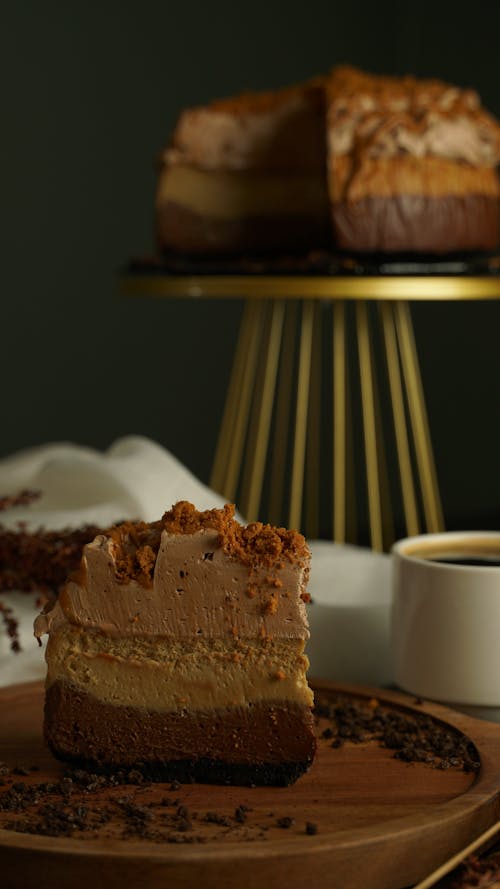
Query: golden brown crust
(416, 129)
(263, 102)
(353, 179)
(353, 87)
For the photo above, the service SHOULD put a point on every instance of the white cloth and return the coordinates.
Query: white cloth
(138, 479)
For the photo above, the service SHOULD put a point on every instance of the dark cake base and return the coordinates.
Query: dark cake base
(413, 223)
(201, 771)
(180, 229)
(269, 743)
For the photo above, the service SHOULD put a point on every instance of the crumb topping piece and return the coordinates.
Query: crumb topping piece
(136, 544)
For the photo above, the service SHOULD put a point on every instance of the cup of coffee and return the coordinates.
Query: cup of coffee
(445, 626)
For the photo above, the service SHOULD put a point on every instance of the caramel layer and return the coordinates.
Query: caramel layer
(228, 195)
(354, 179)
(172, 675)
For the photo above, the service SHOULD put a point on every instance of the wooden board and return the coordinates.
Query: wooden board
(381, 823)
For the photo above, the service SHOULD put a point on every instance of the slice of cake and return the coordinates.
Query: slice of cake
(178, 647)
(246, 174)
(411, 165)
(351, 161)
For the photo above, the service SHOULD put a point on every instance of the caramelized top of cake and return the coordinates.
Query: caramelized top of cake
(136, 544)
(262, 102)
(369, 91)
(378, 116)
(271, 131)
(371, 116)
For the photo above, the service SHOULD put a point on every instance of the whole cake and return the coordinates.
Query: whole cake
(352, 161)
(178, 648)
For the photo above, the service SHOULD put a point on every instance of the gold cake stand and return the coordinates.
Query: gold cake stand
(272, 427)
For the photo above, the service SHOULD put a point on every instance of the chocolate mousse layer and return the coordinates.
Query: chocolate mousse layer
(184, 230)
(264, 743)
(418, 223)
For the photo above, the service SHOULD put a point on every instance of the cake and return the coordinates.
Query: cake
(411, 165)
(246, 174)
(350, 161)
(178, 648)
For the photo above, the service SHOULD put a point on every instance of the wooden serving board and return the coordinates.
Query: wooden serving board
(381, 823)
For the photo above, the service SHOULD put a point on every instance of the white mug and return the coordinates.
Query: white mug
(445, 626)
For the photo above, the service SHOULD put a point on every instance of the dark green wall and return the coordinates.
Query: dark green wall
(92, 91)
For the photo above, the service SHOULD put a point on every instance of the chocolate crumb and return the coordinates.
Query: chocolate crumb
(240, 814)
(24, 498)
(215, 818)
(11, 625)
(477, 871)
(412, 737)
(285, 822)
(41, 560)
(311, 828)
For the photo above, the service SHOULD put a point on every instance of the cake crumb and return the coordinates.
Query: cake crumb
(270, 606)
(136, 544)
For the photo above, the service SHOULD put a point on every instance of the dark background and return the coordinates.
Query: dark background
(91, 93)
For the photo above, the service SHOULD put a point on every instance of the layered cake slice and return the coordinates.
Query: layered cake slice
(178, 647)
(247, 173)
(411, 165)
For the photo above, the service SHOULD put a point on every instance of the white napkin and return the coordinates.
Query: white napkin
(137, 478)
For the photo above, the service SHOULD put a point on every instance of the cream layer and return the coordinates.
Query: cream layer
(197, 590)
(280, 130)
(173, 675)
(231, 194)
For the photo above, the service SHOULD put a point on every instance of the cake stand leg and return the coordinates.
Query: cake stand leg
(339, 423)
(398, 411)
(301, 412)
(260, 425)
(420, 424)
(283, 411)
(233, 396)
(234, 428)
(369, 427)
(313, 448)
